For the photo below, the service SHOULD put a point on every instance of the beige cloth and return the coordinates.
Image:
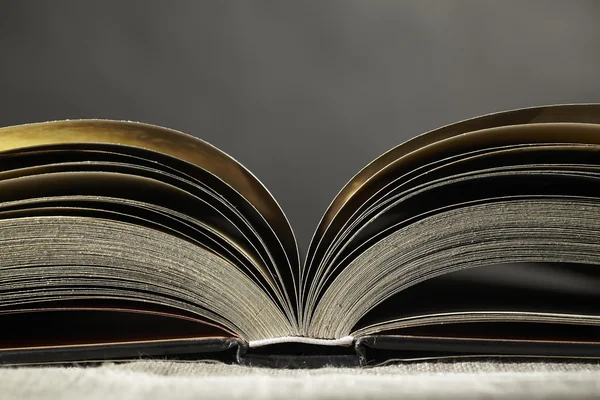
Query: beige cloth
(150, 380)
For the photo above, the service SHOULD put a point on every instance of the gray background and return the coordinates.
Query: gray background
(303, 93)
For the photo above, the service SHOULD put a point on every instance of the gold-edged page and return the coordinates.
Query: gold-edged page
(180, 147)
(579, 170)
(532, 134)
(52, 175)
(368, 180)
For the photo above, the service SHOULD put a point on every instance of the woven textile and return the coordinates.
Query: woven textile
(150, 380)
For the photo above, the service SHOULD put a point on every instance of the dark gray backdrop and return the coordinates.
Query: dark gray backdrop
(303, 93)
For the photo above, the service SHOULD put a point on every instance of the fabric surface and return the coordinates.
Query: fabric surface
(150, 380)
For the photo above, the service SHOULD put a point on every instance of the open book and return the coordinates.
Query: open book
(121, 240)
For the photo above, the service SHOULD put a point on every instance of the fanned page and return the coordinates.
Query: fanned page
(123, 239)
